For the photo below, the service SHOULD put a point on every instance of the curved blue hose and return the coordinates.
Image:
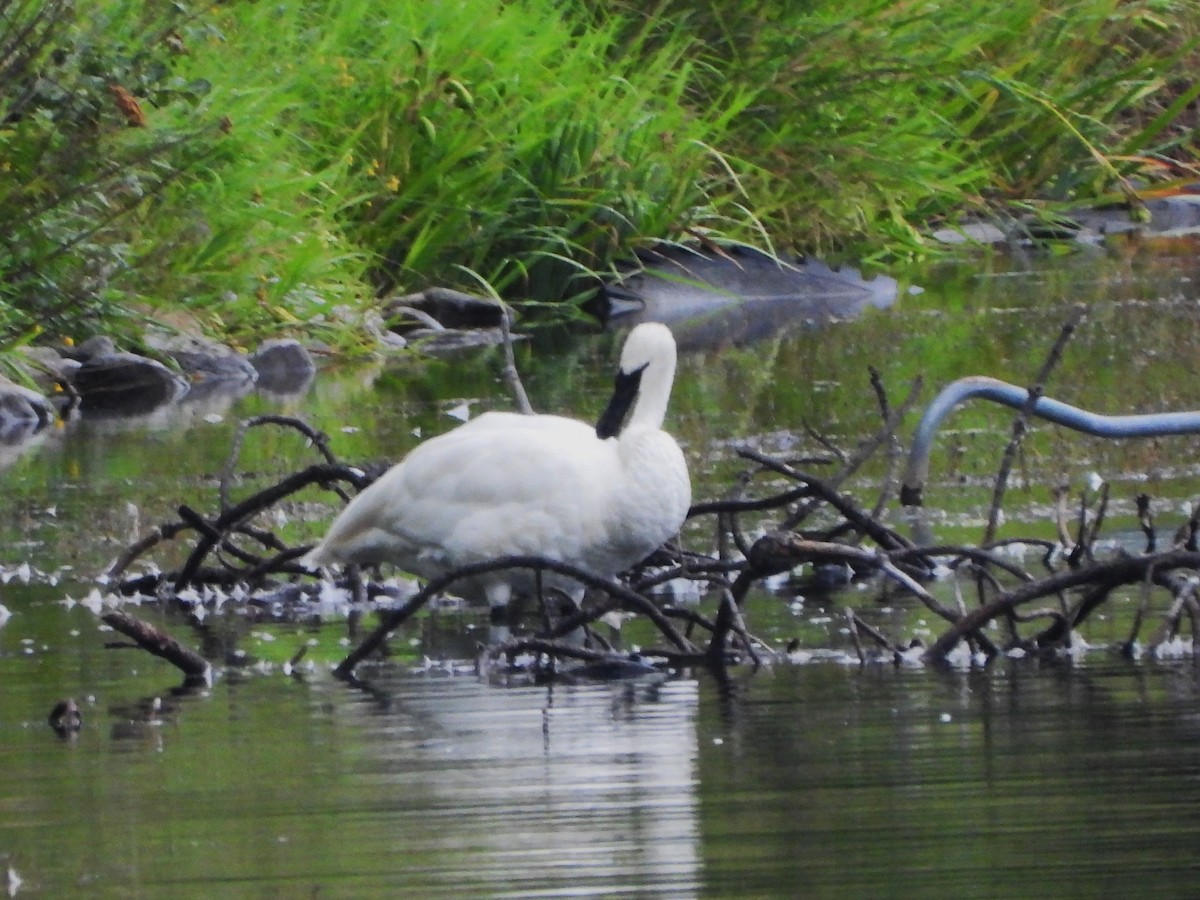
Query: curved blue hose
(1148, 425)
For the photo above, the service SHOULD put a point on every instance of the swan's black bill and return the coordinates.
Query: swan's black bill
(625, 391)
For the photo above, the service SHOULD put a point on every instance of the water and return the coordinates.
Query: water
(1014, 782)
(827, 779)
(799, 781)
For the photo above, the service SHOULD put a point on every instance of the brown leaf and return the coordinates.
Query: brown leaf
(129, 107)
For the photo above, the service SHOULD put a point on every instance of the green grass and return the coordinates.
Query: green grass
(298, 160)
(875, 118)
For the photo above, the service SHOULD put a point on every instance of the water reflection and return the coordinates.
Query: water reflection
(1020, 781)
(19, 438)
(587, 790)
(826, 780)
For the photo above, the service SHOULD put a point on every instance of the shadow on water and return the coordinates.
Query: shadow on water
(827, 779)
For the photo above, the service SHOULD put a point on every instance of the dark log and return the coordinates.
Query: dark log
(194, 666)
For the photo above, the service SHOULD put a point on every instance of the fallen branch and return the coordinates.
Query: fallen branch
(1021, 422)
(1101, 577)
(783, 551)
(878, 533)
(321, 474)
(194, 666)
(864, 452)
(232, 547)
(318, 439)
(856, 624)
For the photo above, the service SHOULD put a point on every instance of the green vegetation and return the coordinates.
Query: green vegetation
(251, 165)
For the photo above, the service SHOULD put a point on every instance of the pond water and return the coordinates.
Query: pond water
(1022, 778)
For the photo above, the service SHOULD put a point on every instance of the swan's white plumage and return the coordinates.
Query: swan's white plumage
(506, 484)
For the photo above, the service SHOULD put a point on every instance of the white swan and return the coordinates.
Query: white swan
(506, 484)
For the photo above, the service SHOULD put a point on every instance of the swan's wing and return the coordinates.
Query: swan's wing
(502, 484)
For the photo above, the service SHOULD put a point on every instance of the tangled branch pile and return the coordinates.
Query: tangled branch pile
(237, 557)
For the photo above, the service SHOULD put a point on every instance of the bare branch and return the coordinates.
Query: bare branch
(194, 666)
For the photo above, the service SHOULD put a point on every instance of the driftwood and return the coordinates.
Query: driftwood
(864, 543)
(1036, 611)
(195, 667)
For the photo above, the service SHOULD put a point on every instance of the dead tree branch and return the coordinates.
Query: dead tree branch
(194, 666)
(1021, 422)
(1102, 576)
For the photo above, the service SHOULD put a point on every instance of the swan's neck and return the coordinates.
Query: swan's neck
(654, 393)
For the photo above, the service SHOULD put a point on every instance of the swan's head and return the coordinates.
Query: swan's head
(645, 375)
(649, 344)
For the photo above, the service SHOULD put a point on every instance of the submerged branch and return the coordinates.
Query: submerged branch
(625, 597)
(232, 549)
(1101, 577)
(323, 474)
(194, 666)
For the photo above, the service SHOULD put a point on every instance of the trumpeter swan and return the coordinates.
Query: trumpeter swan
(506, 484)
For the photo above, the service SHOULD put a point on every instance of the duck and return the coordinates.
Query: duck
(602, 498)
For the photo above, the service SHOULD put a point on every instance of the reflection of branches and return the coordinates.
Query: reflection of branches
(318, 439)
(234, 519)
(623, 597)
(885, 435)
(217, 531)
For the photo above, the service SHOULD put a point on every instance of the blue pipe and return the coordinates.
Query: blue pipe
(1148, 425)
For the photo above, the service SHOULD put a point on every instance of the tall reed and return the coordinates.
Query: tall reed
(287, 163)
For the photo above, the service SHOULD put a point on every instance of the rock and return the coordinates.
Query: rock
(95, 346)
(203, 360)
(1177, 216)
(971, 232)
(216, 367)
(126, 383)
(283, 366)
(737, 296)
(24, 414)
(452, 341)
(47, 366)
(446, 308)
(23, 410)
(1167, 217)
(65, 718)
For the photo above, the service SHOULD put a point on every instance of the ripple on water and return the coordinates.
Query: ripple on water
(581, 790)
